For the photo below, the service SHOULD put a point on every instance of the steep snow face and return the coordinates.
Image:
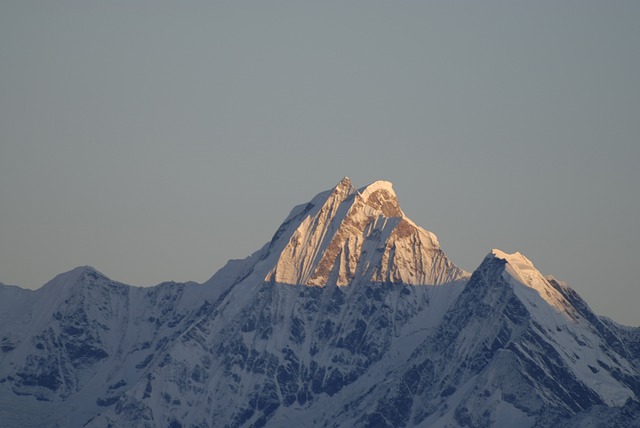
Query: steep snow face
(520, 271)
(576, 334)
(361, 234)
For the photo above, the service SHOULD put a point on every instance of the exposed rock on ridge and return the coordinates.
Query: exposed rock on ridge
(361, 234)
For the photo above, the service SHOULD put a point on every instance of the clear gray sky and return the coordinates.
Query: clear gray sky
(154, 140)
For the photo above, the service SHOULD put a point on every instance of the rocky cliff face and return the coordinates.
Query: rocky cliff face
(351, 316)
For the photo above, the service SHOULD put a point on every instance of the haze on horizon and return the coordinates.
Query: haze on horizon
(156, 140)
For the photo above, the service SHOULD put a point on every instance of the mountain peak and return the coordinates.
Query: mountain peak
(346, 234)
(516, 258)
(519, 269)
(73, 276)
(520, 272)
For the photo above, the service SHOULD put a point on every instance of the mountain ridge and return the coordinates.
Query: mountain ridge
(351, 315)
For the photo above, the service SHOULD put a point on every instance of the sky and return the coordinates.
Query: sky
(155, 140)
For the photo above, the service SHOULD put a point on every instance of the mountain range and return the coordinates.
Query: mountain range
(351, 316)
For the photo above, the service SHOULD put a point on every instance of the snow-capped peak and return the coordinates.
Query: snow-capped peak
(565, 326)
(344, 234)
(520, 271)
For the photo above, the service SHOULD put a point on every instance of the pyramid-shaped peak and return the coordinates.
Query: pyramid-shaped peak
(518, 267)
(347, 234)
(520, 272)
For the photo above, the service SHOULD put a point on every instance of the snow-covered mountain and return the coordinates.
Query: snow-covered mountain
(351, 315)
